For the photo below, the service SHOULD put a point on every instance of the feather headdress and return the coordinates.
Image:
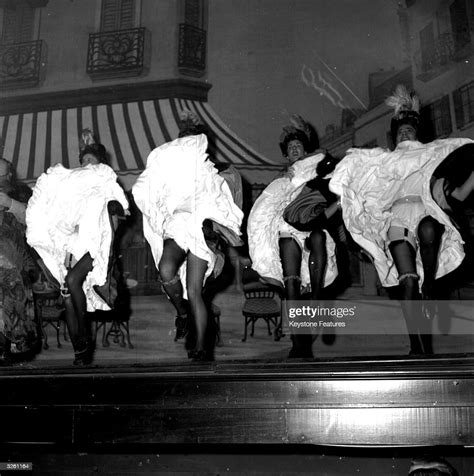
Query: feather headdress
(190, 124)
(86, 138)
(89, 145)
(406, 109)
(402, 100)
(300, 130)
(189, 116)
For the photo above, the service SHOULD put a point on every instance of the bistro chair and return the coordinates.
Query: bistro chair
(113, 326)
(260, 303)
(50, 311)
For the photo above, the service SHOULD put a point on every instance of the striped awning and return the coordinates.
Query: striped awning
(129, 131)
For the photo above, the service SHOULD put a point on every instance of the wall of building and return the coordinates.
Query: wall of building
(448, 79)
(65, 26)
(375, 124)
(257, 49)
(373, 127)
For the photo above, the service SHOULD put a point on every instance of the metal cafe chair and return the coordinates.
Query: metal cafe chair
(260, 303)
(50, 311)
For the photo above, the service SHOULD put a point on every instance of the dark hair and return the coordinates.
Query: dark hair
(192, 130)
(97, 150)
(295, 135)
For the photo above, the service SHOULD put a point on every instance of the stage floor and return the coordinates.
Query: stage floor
(152, 336)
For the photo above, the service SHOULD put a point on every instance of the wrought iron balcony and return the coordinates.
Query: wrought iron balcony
(116, 53)
(443, 53)
(192, 50)
(20, 64)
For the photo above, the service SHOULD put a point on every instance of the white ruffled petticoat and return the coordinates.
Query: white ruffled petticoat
(68, 214)
(266, 225)
(178, 190)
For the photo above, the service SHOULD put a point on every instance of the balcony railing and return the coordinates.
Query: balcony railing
(116, 53)
(20, 64)
(430, 64)
(192, 50)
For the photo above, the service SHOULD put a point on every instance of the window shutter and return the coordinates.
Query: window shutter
(193, 13)
(127, 14)
(460, 24)
(117, 15)
(9, 26)
(458, 109)
(26, 24)
(447, 126)
(110, 15)
(18, 24)
(442, 16)
(427, 47)
(470, 102)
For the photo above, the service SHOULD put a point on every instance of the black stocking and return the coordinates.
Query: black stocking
(318, 258)
(430, 232)
(195, 271)
(404, 256)
(172, 258)
(76, 304)
(290, 255)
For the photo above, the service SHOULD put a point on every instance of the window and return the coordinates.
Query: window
(118, 49)
(194, 13)
(464, 104)
(437, 117)
(18, 23)
(427, 43)
(192, 38)
(460, 24)
(117, 15)
(442, 19)
(22, 54)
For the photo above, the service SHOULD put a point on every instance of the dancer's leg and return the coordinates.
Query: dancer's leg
(290, 254)
(430, 233)
(195, 272)
(404, 256)
(316, 243)
(172, 258)
(76, 308)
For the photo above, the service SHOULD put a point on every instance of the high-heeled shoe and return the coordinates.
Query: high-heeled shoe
(182, 327)
(85, 356)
